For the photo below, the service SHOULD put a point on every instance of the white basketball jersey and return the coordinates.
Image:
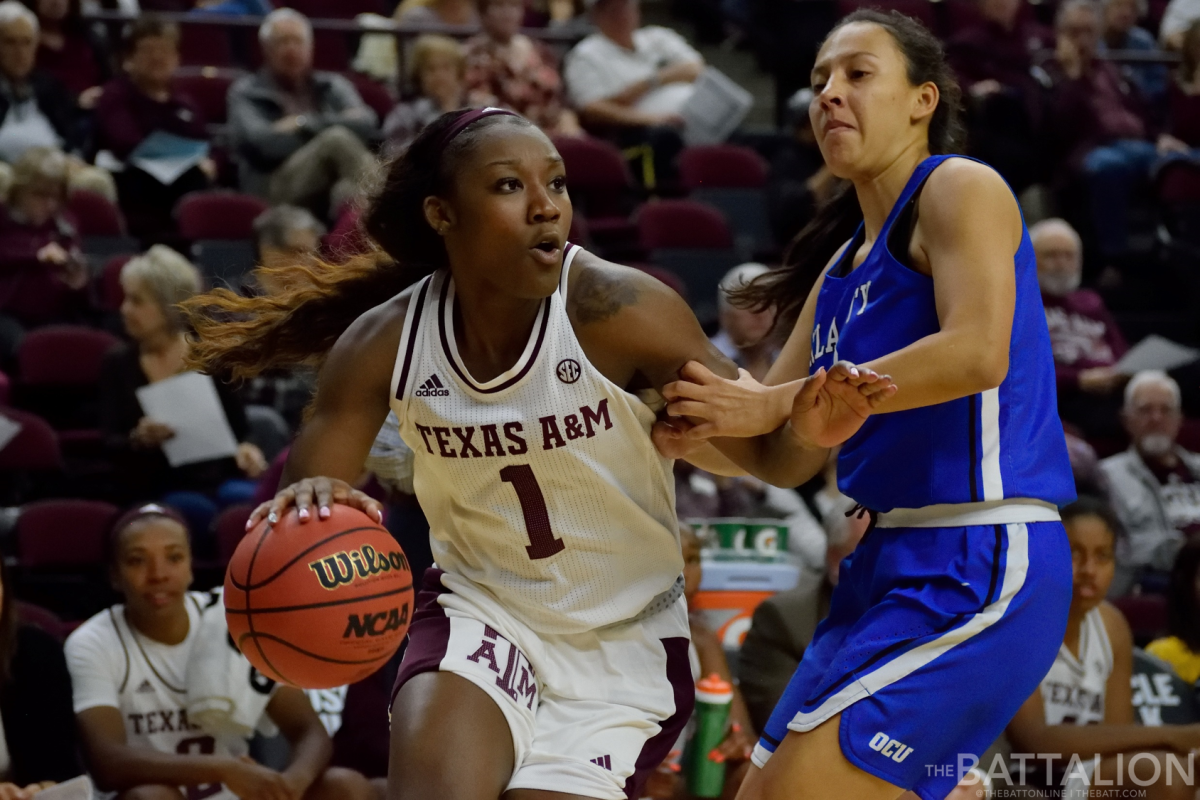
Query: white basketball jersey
(149, 679)
(541, 486)
(1073, 689)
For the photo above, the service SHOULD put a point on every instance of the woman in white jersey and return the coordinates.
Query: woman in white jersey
(548, 655)
(1084, 707)
(128, 668)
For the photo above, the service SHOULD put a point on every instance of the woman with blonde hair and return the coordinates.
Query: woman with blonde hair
(155, 283)
(438, 73)
(42, 273)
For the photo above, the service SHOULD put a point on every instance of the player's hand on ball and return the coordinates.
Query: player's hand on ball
(720, 407)
(320, 492)
(250, 780)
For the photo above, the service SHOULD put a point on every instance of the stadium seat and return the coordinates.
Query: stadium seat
(208, 86)
(230, 528)
(220, 225)
(733, 180)
(44, 618)
(58, 378)
(33, 449)
(101, 225)
(5, 389)
(602, 189)
(63, 533)
(693, 241)
(1146, 615)
(205, 44)
(109, 291)
(373, 93)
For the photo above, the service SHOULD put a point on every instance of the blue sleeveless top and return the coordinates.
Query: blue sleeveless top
(998, 445)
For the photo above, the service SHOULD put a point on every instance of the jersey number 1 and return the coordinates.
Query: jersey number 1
(542, 542)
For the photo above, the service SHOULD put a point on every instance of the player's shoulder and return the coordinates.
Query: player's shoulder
(598, 290)
(98, 633)
(1120, 635)
(962, 181)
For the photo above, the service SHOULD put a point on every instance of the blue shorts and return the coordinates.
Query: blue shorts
(934, 639)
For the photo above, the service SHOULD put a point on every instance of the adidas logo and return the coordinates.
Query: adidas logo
(432, 388)
(145, 687)
(603, 761)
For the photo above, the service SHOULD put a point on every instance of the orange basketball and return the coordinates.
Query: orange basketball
(321, 604)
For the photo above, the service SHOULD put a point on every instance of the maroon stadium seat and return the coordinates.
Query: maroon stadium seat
(34, 448)
(218, 215)
(5, 389)
(110, 291)
(230, 528)
(682, 224)
(63, 533)
(44, 618)
(373, 93)
(1145, 613)
(95, 214)
(208, 86)
(722, 166)
(63, 355)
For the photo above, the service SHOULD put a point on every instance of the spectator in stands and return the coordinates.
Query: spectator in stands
(506, 68)
(783, 625)
(43, 275)
(745, 336)
(1121, 32)
(1177, 18)
(37, 731)
(284, 234)
(130, 669)
(633, 80)
(1183, 94)
(1083, 709)
(155, 283)
(1100, 124)
(36, 110)
(993, 60)
(1181, 646)
(300, 136)
(1154, 485)
(70, 49)
(438, 12)
(139, 104)
(438, 72)
(1084, 335)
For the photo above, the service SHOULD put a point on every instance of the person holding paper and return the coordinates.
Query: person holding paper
(138, 104)
(1154, 485)
(154, 283)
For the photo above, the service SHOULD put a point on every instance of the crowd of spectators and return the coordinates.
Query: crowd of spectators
(104, 116)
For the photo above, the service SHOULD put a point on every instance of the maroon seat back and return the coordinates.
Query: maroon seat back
(218, 215)
(722, 166)
(95, 214)
(5, 389)
(112, 294)
(64, 355)
(682, 224)
(64, 533)
(1146, 614)
(44, 618)
(373, 93)
(597, 174)
(208, 87)
(34, 448)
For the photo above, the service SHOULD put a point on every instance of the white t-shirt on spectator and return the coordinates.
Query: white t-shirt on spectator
(599, 68)
(113, 665)
(1178, 17)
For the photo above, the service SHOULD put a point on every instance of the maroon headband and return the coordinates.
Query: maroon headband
(470, 118)
(143, 511)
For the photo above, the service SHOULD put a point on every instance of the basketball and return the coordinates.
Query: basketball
(320, 604)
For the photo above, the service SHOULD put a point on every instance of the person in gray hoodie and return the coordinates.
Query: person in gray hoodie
(299, 136)
(1154, 486)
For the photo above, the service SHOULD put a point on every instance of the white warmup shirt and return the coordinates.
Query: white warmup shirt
(599, 68)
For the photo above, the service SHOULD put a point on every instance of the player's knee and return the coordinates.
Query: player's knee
(152, 792)
(338, 783)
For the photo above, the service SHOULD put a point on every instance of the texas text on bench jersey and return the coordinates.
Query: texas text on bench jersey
(542, 486)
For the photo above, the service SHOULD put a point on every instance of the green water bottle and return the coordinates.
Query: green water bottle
(706, 777)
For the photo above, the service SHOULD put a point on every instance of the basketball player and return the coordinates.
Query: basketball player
(128, 668)
(950, 611)
(1084, 707)
(548, 655)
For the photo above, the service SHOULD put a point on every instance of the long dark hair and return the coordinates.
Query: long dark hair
(788, 287)
(1183, 610)
(243, 336)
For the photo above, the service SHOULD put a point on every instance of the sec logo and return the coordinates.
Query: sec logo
(568, 370)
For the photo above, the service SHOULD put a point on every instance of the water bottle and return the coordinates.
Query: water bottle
(705, 777)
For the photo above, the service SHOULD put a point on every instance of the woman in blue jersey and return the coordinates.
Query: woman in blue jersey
(952, 609)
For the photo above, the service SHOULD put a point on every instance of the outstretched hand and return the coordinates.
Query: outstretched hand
(831, 406)
(321, 491)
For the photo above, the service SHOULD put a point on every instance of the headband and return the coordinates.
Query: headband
(141, 512)
(470, 118)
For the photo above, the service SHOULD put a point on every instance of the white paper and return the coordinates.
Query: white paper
(715, 109)
(189, 405)
(79, 788)
(9, 428)
(1155, 352)
(165, 156)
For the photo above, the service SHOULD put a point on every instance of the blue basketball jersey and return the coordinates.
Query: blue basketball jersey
(1003, 444)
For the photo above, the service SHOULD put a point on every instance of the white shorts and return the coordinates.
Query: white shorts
(591, 714)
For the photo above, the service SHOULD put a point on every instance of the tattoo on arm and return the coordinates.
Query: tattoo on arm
(597, 295)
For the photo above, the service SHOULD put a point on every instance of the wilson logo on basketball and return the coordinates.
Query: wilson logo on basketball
(376, 624)
(568, 370)
(346, 567)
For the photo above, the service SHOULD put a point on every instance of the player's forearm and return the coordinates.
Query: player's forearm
(311, 753)
(611, 112)
(941, 367)
(121, 767)
(776, 457)
(710, 459)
